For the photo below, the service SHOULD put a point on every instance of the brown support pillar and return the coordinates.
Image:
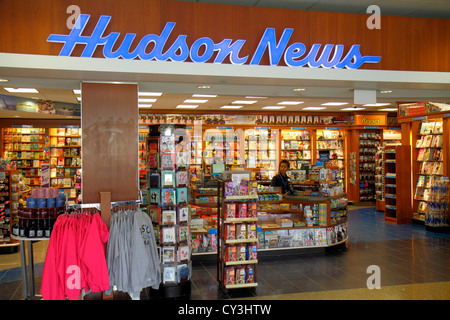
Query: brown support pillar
(109, 122)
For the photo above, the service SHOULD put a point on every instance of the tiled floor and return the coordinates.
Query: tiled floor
(414, 264)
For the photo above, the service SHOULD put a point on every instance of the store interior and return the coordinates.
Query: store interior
(340, 154)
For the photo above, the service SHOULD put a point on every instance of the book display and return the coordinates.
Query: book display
(168, 198)
(261, 151)
(296, 147)
(429, 158)
(25, 147)
(65, 160)
(237, 231)
(369, 140)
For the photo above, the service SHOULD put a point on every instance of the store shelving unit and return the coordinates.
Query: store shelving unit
(9, 204)
(25, 147)
(261, 151)
(369, 140)
(397, 186)
(168, 199)
(296, 147)
(333, 141)
(65, 160)
(428, 157)
(237, 231)
(379, 179)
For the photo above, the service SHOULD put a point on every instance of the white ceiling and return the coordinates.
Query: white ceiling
(407, 8)
(233, 84)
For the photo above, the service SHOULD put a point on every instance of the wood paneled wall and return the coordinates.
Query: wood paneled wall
(110, 141)
(410, 44)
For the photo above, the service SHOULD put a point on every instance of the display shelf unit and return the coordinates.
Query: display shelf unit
(25, 147)
(332, 140)
(237, 231)
(428, 164)
(168, 199)
(437, 216)
(65, 160)
(9, 205)
(261, 151)
(397, 186)
(369, 140)
(300, 222)
(379, 179)
(296, 147)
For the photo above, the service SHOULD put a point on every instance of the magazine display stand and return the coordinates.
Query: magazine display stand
(429, 160)
(168, 199)
(237, 231)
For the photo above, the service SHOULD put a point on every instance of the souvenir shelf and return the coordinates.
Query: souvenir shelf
(296, 147)
(397, 184)
(368, 143)
(429, 161)
(237, 231)
(168, 199)
(9, 204)
(25, 147)
(65, 160)
(261, 151)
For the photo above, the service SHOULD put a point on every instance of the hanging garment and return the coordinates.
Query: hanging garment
(132, 255)
(75, 257)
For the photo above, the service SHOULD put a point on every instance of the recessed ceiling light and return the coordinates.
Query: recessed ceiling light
(195, 101)
(187, 106)
(76, 91)
(79, 98)
(291, 103)
(4, 80)
(22, 90)
(376, 104)
(314, 108)
(204, 95)
(245, 101)
(231, 107)
(147, 100)
(385, 91)
(255, 97)
(149, 94)
(334, 103)
(352, 109)
(273, 107)
(144, 105)
(388, 109)
(204, 87)
(16, 116)
(298, 89)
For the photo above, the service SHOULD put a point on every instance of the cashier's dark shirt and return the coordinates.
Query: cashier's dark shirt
(281, 181)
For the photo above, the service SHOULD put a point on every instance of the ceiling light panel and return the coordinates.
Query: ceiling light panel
(21, 90)
(290, 103)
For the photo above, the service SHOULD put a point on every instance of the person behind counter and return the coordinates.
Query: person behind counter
(281, 179)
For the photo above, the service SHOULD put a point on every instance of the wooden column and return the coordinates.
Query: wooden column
(109, 122)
